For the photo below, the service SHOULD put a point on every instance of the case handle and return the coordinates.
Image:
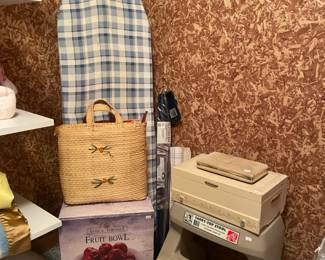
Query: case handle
(211, 184)
(273, 200)
(102, 105)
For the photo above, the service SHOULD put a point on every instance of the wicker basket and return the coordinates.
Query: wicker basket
(103, 162)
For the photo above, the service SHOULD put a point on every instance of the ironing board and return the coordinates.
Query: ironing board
(105, 52)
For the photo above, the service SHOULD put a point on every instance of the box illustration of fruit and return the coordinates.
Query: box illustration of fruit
(107, 251)
(107, 231)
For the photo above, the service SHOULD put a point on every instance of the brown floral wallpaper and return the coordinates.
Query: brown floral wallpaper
(29, 53)
(249, 76)
(250, 80)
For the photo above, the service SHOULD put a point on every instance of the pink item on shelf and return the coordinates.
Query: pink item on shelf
(7, 83)
(2, 74)
(7, 102)
(4, 81)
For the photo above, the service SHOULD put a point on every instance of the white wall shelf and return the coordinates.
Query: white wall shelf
(40, 221)
(13, 2)
(24, 121)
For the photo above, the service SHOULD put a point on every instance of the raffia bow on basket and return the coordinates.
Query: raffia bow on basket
(103, 161)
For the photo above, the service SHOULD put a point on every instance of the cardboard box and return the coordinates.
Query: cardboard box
(84, 226)
(249, 206)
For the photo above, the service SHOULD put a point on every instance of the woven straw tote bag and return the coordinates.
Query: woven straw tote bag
(103, 161)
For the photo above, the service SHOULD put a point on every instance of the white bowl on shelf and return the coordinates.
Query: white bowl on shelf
(7, 102)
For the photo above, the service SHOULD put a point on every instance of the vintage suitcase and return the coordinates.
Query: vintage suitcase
(250, 206)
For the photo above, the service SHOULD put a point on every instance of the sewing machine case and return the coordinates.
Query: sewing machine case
(249, 206)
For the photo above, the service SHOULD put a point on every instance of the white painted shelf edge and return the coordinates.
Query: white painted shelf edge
(14, 2)
(40, 221)
(24, 121)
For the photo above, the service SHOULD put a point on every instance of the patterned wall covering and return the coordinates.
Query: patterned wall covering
(249, 76)
(29, 53)
(250, 79)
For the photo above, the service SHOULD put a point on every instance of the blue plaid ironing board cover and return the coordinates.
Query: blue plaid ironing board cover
(105, 52)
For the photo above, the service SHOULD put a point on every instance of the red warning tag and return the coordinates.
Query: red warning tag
(232, 236)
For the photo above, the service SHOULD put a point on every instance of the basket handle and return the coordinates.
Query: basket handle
(102, 105)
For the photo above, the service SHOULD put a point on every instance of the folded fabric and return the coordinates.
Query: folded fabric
(6, 195)
(14, 232)
(179, 155)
